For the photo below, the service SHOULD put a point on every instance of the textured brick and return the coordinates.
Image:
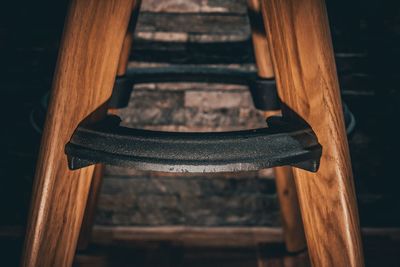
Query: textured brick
(213, 118)
(177, 86)
(192, 201)
(231, 6)
(133, 117)
(153, 116)
(171, 5)
(118, 202)
(230, 24)
(132, 197)
(156, 99)
(164, 36)
(154, 108)
(208, 109)
(184, 6)
(218, 99)
(216, 37)
(228, 119)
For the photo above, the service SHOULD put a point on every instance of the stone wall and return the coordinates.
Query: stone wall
(203, 32)
(169, 34)
(216, 33)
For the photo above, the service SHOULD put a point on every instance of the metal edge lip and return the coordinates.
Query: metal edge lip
(84, 157)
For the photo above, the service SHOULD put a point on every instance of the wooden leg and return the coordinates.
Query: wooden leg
(127, 45)
(289, 205)
(290, 210)
(90, 211)
(125, 52)
(83, 81)
(260, 43)
(304, 65)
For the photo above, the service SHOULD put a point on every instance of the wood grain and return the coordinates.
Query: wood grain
(305, 70)
(90, 211)
(259, 39)
(290, 210)
(127, 44)
(124, 57)
(83, 80)
(260, 44)
(288, 202)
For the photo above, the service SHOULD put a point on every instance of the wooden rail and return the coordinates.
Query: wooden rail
(305, 71)
(83, 80)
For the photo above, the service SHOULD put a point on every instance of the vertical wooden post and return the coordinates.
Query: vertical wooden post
(304, 65)
(90, 211)
(260, 43)
(83, 81)
(295, 240)
(290, 210)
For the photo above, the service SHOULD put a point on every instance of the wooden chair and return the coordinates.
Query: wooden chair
(298, 52)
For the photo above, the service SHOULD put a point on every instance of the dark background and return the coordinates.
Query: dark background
(366, 37)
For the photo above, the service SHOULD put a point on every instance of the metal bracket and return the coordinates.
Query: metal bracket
(122, 90)
(264, 94)
(263, 91)
(108, 142)
(282, 143)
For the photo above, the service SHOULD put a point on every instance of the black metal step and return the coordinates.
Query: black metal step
(109, 143)
(280, 144)
(263, 91)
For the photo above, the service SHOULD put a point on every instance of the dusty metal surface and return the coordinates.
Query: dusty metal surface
(278, 145)
(263, 91)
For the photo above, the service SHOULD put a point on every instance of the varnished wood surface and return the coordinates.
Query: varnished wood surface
(305, 70)
(288, 202)
(127, 44)
(289, 206)
(124, 57)
(259, 39)
(83, 80)
(90, 211)
(262, 54)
